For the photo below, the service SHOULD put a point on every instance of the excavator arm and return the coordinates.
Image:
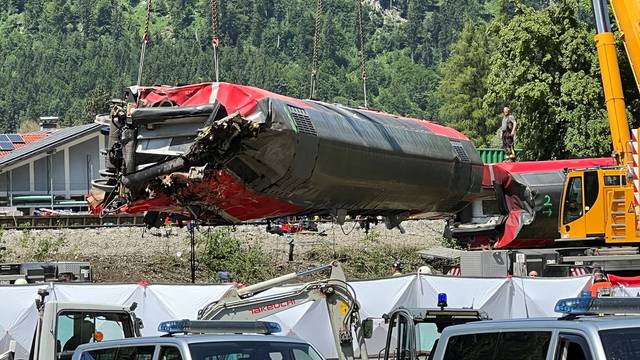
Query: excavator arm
(342, 305)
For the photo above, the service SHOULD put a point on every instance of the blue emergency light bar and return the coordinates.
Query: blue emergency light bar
(218, 327)
(598, 306)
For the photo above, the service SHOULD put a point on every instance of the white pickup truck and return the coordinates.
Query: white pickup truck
(64, 326)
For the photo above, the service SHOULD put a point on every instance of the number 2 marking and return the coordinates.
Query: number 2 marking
(547, 206)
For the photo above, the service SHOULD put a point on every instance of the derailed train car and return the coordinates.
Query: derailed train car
(519, 205)
(236, 153)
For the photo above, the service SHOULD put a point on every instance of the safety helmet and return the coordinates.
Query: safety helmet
(398, 265)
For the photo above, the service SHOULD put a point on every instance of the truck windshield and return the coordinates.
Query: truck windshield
(252, 350)
(426, 336)
(621, 344)
(80, 327)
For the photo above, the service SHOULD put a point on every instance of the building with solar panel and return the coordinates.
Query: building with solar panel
(50, 169)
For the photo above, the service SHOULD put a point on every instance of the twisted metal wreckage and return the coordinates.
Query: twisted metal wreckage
(235, 153)
(228, 153)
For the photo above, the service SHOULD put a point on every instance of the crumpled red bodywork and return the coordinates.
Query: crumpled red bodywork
(230, 196)
(511, 176)
(233, 97)
(624, 280)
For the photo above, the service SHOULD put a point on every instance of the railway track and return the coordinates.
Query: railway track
(68, 222)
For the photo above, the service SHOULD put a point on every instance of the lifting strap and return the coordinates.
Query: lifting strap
(215, 40)
(145, 41)
(363, 67)
(316, 41)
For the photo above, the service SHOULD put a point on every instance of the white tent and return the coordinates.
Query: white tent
(501, 298)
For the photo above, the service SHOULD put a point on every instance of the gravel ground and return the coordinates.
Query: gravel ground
(162, 255)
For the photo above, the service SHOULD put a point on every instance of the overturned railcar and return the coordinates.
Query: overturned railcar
(237, 153)
(519, 205)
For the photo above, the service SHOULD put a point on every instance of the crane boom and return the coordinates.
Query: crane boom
(342, 305)
(612, 83)
(627, 14)
(602, 204)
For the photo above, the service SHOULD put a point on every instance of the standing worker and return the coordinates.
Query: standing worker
(599, 282)
(508, 134)
(396, 268)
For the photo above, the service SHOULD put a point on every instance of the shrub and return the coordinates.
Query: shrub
(219, 250)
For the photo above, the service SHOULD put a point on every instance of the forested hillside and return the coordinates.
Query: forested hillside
(454, 61)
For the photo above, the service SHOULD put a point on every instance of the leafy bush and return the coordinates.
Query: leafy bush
(367, 259)
(44, 246)
(249, 262)
(219, 250)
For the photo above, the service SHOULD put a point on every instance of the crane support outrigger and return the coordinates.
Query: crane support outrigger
(342, 305)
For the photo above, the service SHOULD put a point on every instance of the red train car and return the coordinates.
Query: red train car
(236, 153)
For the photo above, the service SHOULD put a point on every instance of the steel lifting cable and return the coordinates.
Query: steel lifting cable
(215, 39)
(363, 67)
(145, 41)
(316, 42)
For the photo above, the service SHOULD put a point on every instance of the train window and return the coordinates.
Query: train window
(573, 201)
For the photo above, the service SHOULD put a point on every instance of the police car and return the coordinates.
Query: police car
(204, 340)
(590, 329)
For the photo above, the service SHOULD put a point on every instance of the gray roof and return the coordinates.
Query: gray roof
(581, 323)
(56, 138)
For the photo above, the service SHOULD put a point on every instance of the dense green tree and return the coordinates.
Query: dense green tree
(458, 61)
(463, 85)
(441, 29)
(544, 68)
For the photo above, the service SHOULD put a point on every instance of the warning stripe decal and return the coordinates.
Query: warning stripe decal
(634, 168)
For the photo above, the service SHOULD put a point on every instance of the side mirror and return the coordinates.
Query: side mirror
(367, 328)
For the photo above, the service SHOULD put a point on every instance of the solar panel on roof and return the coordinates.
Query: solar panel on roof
(15, 138)
(4, 137)
(6, 145)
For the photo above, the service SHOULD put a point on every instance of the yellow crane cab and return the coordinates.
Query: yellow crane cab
(598, 205)
(601, 204)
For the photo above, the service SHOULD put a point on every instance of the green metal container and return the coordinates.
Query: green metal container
(31, 198)
(493, 155)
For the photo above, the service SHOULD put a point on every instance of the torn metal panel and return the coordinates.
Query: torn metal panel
(521, 209)
(239, 153)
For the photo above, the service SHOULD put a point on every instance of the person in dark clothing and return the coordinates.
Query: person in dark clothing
(80, 336)
(508, 134)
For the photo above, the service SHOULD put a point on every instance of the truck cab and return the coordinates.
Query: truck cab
(62, 327)
(587, 331)
(413, 333)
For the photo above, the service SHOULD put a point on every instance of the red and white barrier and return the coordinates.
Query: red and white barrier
(634, 168)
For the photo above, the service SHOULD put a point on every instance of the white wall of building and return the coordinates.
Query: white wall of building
(69, 168)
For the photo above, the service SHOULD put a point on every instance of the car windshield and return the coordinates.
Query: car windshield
(252, 350)
(621, 344)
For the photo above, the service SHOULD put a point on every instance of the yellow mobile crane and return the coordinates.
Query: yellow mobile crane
(600, 204)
